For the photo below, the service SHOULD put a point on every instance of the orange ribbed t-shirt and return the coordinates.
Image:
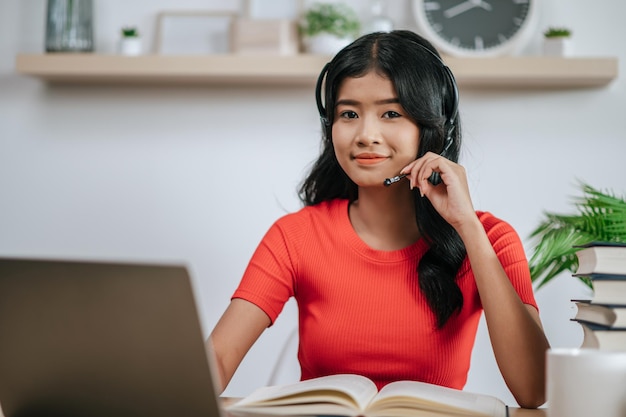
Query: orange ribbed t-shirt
(361, 310)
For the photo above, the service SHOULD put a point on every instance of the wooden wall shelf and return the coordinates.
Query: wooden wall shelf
(509, 72)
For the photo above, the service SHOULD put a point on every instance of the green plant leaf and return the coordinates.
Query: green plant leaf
(335, 18)
(129, 32)
(554, 32)
(600, 216)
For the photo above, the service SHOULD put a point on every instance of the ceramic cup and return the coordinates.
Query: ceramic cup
(585, 383)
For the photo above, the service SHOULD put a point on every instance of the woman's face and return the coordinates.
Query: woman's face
(373, 136)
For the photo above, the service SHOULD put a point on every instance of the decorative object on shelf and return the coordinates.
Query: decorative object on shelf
(378, 21)
(194, 33)
(267, 28)
(265, 36)
(328, 27)
(601, 217)
(69, 26)
(275, 9)
(130, 41)
(558, 42)
(477, 27)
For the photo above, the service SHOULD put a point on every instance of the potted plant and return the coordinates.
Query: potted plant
(130, 42)
(328, 27)
(557, 42)
(601, 217)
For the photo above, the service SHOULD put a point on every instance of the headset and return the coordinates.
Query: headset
(449, 125)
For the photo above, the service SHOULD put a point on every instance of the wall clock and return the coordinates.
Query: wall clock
(476, 27)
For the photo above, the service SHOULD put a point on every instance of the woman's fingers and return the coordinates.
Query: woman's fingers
(420, 170)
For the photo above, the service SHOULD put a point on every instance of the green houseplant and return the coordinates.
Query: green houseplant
(557, 32)
(130, 32)
(130, 41)
(557, 41)
(601, 216)
(327, 27)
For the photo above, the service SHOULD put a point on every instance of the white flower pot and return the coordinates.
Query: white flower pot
(558, 46)
(325, 43)
(130, 46)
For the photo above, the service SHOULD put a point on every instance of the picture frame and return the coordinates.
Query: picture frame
(194, 32)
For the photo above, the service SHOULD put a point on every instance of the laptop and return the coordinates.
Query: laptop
(101, 339)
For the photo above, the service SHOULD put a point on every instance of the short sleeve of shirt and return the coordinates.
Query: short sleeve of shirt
(268, 281)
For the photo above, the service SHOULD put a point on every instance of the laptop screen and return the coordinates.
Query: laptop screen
(101, 339)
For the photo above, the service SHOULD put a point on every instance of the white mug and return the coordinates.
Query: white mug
(586, 383)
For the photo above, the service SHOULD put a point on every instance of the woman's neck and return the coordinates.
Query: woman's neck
(385, 218)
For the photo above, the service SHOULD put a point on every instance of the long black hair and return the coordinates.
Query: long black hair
(427, 92)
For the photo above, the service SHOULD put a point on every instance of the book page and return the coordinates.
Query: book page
(349, 390)
(420, 395)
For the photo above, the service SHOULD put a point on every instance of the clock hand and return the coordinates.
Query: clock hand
(485, 5)
(460, 8)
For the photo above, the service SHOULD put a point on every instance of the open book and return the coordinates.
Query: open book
(354, 395)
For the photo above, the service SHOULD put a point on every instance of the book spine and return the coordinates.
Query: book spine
(602, 277)
(596, 326)
(611, 306)
(597, 243)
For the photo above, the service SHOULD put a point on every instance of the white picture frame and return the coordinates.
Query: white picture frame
(194, 32)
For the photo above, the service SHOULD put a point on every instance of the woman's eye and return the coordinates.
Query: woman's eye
(391, 114)
(348, 114)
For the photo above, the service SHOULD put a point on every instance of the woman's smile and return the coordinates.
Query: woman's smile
(369, 158)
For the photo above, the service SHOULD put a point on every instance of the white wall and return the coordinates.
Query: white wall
(198, 174)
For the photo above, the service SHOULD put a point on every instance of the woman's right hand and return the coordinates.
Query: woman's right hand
(451, 198)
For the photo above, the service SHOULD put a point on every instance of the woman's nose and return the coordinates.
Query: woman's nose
(369, 132)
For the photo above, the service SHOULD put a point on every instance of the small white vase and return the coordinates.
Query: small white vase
(130, 46)
(562, 46)
(325, 43)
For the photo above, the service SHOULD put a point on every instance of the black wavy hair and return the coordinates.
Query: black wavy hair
(426, 93)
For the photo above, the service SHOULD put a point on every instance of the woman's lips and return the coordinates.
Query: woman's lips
(369, 159)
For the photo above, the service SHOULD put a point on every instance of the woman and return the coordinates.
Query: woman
(390, 278)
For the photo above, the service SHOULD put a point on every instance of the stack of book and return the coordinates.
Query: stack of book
(603, 318)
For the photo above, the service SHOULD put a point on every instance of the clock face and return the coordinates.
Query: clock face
(475, 27)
